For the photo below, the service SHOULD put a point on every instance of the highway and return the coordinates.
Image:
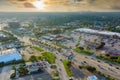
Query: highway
(100, 66)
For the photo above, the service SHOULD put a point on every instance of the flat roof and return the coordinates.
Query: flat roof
(87, 30)
(93, 77)
(9, 55)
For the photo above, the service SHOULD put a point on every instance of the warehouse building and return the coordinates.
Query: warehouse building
(10, 55)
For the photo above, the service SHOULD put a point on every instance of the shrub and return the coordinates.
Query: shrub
(33, 58)
(12, 75)
(53, 66)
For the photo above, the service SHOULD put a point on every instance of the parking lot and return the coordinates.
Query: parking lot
(42, 76)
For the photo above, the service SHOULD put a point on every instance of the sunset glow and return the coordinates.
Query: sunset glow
(60, 5)
(39, 4)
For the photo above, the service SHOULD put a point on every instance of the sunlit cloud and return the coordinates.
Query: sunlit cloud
(60, 5)
(39, 4)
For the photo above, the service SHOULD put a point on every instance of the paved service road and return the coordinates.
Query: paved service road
(5, 72)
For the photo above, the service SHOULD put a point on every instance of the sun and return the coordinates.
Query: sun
(39, 4)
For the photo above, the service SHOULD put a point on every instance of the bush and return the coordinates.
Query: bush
(53, 66)
(33, 58)
(89, 68)
(12, 75)
(23, 71)
(99, 56)
(56, 79)
(2, 64)
(40, 57)
(13, 67)
(55, 73)
(80, 67)
(101, 45)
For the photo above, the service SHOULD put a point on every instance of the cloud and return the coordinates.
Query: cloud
(116, 7)
(28, 5)
(21, 3)
(70, 5)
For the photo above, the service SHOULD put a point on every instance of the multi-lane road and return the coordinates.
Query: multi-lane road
(99, 65)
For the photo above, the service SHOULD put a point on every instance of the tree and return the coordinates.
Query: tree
(78, 44)
(33, 58)
(22, 70)
(99, 56)
(101, 45)
(87, 48)
(20, 65)
(2, 64)
(59, 49)
(90, 68)
(69, 64)
(118, 59)
(12, 75)
(81, 48)
(95, 40)
(13, 67)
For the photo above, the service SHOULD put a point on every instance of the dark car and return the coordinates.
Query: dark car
(110, 64)
(60, 59)
(98, 61)
(117, 67)
(86, 57)
(84, 61)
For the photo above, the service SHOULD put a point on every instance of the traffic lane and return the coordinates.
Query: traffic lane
(113, 69)
(97, 61)
(61, 70)
(77, 73)
(103, 69)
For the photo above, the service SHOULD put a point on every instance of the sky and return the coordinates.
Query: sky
(59, 5)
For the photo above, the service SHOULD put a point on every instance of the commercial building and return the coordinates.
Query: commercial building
(93, 77)
(10, 55)
(14, 24)
(97, 32)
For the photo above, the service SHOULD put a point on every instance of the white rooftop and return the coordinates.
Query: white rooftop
(97, 31)
(9, 55)
(2, 35)
(92, 77)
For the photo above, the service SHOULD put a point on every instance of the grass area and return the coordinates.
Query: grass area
(37, 48)
(60, 45)
(35, 58)
(65, 63)
(50, 57)
(56, 79)
(83, 51)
